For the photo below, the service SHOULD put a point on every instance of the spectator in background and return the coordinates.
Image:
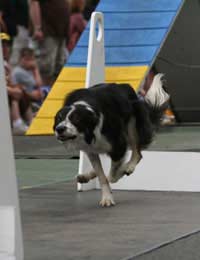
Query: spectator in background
(15, 14)
(77, 23)
(50, 20)
(20, 110)
(89, 8)
(22, 39)
(3, 27)
(8, 15)
(26, 73)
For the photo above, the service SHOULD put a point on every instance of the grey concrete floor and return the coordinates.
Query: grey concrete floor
(185, 248)
(60, 223)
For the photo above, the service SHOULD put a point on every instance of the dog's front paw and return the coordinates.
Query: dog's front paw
(107, 201)
(85, 178)
(128, 169)
(113, 179)
(82, 178)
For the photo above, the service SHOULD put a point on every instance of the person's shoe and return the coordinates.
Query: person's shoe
(20, 129)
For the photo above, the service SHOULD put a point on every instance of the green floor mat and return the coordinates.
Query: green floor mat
(38, 172)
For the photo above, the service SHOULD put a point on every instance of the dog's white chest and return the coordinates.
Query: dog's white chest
(101, 145)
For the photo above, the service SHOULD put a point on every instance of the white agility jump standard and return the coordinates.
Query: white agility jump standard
(164, 171)
(95, 74)
(11, 246)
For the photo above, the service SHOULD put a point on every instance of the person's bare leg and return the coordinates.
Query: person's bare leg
(29, 115)
(18, 125)
(14, 110)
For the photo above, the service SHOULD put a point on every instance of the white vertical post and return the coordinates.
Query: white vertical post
(96, 54)
(95, 74)
(8, 183)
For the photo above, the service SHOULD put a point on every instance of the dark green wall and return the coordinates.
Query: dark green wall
(179, 59)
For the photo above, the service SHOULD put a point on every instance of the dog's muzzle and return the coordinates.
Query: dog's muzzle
(62, 134)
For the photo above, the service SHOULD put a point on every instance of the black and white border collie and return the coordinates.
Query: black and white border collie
(110, 119)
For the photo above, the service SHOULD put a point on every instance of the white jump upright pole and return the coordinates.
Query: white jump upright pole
(11, 246)
(95, 74)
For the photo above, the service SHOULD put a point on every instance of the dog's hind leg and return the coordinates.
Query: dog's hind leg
(107, 198)
(115, 174)
(129, 167)
(119, 168)
(117, 156)
(86, 177)
(136, 155)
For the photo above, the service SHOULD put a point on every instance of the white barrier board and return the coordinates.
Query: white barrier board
(8, 183)
(162, 171)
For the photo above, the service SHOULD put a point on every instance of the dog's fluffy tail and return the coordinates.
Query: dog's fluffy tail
(149, 112)
(156, 99)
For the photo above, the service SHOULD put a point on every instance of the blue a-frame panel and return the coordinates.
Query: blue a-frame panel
(134, 31)
(139, 5)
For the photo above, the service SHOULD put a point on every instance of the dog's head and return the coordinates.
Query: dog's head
(75, 122)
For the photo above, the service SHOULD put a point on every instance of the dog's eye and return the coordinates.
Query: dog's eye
(76, 119)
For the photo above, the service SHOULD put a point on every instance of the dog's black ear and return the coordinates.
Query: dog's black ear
(89, 130)
(94, 120)
(89, 135)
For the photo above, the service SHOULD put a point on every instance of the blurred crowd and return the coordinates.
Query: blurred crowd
(37, 38)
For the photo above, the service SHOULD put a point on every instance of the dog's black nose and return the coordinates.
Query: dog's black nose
(60, 129)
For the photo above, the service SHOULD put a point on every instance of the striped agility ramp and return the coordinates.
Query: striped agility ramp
(135, 30)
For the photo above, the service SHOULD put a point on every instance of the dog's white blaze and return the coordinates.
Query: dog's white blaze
(60, 124)
(71, 129)
(83, 103)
